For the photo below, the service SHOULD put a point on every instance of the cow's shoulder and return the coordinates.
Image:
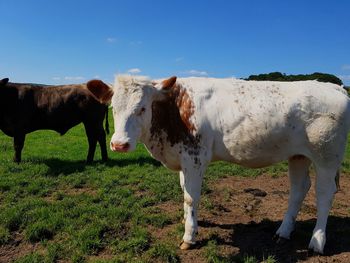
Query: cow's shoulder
(172, 117)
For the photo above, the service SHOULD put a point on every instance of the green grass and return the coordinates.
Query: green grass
(212, 255)
(76, 212)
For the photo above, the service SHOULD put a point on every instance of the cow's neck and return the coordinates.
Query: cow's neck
(171, 129)
(172, 116)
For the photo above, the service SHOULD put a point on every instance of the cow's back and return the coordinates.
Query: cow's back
(62, 107)
(57, 108)
(259, 123)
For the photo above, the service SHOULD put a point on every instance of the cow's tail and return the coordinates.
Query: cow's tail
(107, 124)
(337, 180)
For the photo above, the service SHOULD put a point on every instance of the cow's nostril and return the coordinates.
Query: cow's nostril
(120, 147)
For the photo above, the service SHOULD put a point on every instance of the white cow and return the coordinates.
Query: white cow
(188, 123)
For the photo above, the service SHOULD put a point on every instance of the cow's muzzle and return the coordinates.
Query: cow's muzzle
(120, 147)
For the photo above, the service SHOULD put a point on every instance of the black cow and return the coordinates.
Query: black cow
(25, 108)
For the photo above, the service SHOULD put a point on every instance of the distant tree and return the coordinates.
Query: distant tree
(270, 76)
(327, 78)
(278, 76)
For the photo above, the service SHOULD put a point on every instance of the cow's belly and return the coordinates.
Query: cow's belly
(60, 124)
(259, 159)
(254, 146)
(253, 157)
(7, 130)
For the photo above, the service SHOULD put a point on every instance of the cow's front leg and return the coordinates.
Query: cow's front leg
(182, 184)
(18, 143)
(193, 177)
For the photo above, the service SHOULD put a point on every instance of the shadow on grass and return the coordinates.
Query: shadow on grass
(66, 167)
(141, 161)
(257, 239)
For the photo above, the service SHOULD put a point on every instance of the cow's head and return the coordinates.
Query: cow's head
(132, 109)
(3, 82)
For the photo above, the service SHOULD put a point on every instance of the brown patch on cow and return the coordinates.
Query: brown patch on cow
(172, 115)
(102, 92)
(168, 83)
(185, 105)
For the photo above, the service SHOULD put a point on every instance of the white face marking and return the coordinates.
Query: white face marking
(131, 105)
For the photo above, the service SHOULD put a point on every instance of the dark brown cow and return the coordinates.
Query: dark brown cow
(25, 108)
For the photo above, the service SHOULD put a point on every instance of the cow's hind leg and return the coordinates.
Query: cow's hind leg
(18, 143)
(102, 142)
(299, 186)
(325, 189)
(92, 139)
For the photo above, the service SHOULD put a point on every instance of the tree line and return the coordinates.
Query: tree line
(278, 76)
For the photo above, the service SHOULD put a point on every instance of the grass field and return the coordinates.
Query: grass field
(54, 208)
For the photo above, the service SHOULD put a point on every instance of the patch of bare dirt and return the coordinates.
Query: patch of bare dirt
(245, 213)
(16, 249)
(70, 192)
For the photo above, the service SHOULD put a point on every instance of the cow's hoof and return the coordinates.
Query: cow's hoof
(282, 241)
(186, 246)
(318, 241)
(312, 253)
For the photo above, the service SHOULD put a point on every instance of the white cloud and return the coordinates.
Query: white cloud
(134, 71)
(179, 59)
(70, 78)
(194, 72)
(345, 67)
(111, 39)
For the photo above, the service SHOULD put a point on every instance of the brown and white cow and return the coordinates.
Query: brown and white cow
(188, 123)
(25, 108)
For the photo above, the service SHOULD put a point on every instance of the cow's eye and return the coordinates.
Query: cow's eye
(141, 111)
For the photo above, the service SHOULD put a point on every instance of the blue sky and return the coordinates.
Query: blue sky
(63, 41)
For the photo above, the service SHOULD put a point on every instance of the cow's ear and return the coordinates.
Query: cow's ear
(100, 90)
(167, 84)
(4, 81)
